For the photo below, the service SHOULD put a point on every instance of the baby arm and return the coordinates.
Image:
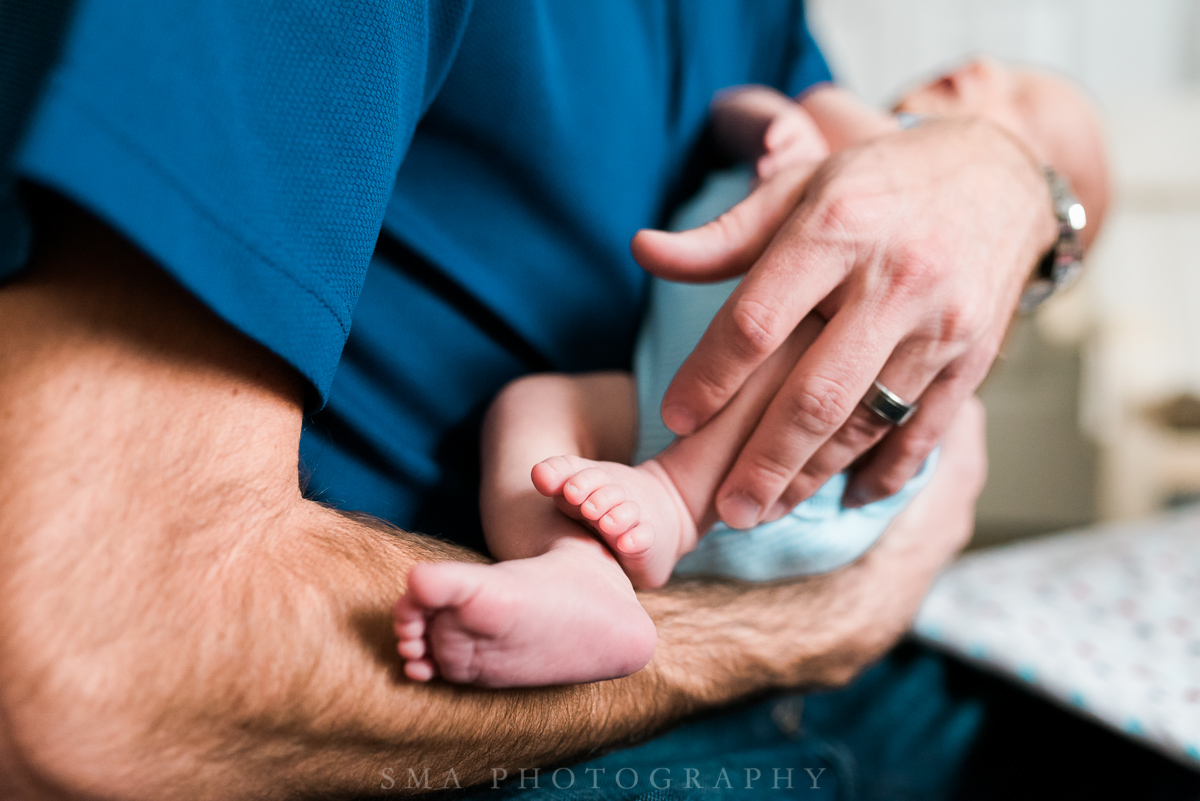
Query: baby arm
(764, 125)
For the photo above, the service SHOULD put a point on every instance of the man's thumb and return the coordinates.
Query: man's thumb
(730, 244)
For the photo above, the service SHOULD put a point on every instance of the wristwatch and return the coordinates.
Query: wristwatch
(1061, 264)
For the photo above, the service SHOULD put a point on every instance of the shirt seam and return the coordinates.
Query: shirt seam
(179, 187)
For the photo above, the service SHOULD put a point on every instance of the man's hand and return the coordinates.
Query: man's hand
(873, 600)
(914, 246)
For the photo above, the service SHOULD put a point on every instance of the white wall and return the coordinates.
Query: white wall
(1116, 48)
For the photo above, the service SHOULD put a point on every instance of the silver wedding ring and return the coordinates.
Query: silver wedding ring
(888, 405)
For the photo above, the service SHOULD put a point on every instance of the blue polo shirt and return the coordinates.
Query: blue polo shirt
(412, 203)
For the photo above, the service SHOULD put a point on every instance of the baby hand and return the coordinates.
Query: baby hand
(791, 139)
(758, 123)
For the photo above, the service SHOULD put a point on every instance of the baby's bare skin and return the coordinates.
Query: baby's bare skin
(561, 605)
(568, 615)
(636, 510)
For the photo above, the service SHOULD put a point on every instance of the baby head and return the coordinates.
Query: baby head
(1048, 113)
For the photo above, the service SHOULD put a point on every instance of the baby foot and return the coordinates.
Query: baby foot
(569, 615)
(637, 510)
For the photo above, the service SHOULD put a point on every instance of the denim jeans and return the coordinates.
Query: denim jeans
(918, 725)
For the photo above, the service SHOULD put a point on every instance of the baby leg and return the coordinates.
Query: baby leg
(559, 608)
(654, 513)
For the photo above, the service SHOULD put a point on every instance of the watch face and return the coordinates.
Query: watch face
(1077, 217)
(1067, 208)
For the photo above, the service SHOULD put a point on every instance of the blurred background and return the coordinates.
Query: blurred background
(1094, 411)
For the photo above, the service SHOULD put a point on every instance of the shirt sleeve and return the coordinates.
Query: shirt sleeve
(248, 146)
(806, 64)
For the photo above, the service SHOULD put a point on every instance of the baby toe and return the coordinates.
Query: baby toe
(411, 649)
(620, 518)
(409, 629)
(406, 611)
(600, 502)
(419, 669)
(549, 475)
(636, 540)
(584, 483)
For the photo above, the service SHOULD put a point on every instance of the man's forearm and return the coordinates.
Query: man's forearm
(285, 684)
(275, 674)
(177, 620)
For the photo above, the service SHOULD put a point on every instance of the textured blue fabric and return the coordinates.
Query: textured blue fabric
(560, 130)
(903, 731)
(509, 149)
(918, 726)
(250, 147)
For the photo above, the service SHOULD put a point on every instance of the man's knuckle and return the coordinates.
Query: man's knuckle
(819, 406)
(768, 470)
(728, 227)
(961, 323)
(756, 326)
(711, 386)
(956, 326)
(916, 268)
(838, 217)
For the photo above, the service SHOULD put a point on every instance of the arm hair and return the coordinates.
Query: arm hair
(179, 621)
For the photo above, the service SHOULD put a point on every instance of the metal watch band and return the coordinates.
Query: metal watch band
(1062, 263)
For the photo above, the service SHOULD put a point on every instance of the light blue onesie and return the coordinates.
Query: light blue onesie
(817, 536)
